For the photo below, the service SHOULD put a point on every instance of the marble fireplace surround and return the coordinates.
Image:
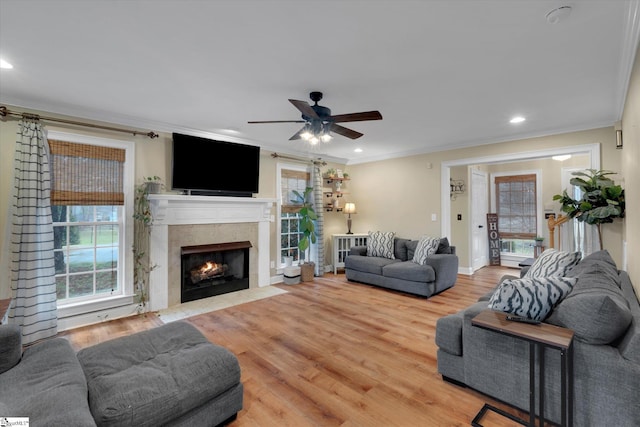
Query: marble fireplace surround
(180, 220)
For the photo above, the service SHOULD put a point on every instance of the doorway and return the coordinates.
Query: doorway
(466, 253)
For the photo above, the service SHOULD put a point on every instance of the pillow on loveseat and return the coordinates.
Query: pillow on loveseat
(531, 297)
(380, 244)
(553, 262)
(426, 247)
(596, 310)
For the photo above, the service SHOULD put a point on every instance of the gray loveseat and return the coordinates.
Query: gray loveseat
(170, 375)
(401, 273)
(604, 313)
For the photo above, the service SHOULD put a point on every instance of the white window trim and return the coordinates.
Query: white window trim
(125, 255)
(279, 167)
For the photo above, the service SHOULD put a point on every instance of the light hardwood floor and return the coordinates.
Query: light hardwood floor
(334, 353)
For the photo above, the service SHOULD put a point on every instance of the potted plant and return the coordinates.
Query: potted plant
(142, 221)
(601, 202)
(539, 240)
(153, 184)
(331, 173)
(308, 217)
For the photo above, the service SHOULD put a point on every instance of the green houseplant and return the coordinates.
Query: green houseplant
(308, 217)
(142, 222)
(601, 202)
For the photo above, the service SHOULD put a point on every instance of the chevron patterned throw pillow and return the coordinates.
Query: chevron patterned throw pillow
(380, 244)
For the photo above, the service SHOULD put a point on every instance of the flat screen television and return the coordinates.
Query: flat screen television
(202, 166)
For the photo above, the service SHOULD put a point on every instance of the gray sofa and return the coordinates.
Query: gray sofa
(170, 375)
(400, 273)
(603, 311)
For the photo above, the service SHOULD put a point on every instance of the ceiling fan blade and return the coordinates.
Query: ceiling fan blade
(357, 117)
(304, 108)
(278, 121)
(296, 135)
(349, 133)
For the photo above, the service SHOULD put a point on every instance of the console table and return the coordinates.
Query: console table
(539, 336)
(342, 244)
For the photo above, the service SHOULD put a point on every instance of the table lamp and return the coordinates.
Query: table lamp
(349, 208)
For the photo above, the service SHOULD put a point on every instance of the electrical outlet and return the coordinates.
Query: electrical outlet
(459, 217)
(273, 264)
(434, 217)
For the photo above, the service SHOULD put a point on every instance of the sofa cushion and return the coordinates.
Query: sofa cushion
(10, 346)
(553, 262)
(48, 386)
(596, 310)
(380, 244)
(426, 247)
(400, 248)
(155, 376)
(531, 297)
(409, 271)
(367, 264)
(411, 248)
(443, 246)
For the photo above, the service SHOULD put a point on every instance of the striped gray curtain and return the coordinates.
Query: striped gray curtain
(33, 285)
(318, 202)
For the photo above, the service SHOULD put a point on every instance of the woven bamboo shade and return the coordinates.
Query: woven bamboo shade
(83, 174)
(292, 180)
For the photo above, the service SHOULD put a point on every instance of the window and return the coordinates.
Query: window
(86, 241)
(291, 178)
(516, 205)
(89, 211)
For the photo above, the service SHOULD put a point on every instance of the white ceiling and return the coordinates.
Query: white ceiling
(444, 74)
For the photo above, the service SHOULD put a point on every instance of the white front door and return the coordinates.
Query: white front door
(479, 196)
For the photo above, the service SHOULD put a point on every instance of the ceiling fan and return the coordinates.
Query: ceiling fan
(319, 123)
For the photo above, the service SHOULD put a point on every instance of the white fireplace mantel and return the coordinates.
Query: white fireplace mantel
(172, 209)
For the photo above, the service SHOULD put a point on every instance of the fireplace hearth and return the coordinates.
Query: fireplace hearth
(214, 269)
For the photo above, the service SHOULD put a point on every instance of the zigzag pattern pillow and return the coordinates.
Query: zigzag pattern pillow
(531, 297)
(380, 244)
(552, 262)
(426, 246)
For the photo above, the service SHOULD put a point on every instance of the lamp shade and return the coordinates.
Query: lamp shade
(349, 208)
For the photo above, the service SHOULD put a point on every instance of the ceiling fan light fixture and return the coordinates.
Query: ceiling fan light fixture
(313, 140)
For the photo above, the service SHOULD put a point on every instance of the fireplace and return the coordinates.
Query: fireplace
(180, 221)
(215, 269)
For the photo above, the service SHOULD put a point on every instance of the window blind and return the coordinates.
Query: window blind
(516, 206)
(292, 180)
(83, 174)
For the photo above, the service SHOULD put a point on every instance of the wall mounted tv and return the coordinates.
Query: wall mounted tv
(202, 166)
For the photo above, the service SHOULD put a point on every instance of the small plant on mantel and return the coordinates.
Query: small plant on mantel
(142, 222)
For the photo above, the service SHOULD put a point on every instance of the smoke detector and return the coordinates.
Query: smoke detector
(559, 14)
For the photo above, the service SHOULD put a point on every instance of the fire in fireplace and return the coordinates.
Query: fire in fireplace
(209, 270)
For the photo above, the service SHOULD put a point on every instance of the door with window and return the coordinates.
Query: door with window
(516, 203)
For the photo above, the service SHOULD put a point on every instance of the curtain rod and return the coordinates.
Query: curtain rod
(4, 111)
(299, 159)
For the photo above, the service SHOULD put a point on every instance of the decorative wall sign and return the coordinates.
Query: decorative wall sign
(494, 239)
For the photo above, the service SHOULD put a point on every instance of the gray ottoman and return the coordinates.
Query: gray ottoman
(167, 375)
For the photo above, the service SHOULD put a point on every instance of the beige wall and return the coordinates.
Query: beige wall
(394, 195)
(631, 172)
(401, 194)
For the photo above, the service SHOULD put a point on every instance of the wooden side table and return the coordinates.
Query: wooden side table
(539, 336)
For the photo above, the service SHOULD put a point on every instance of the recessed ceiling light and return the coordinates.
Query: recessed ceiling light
(4, 64)
(358, 150)
(517, 119)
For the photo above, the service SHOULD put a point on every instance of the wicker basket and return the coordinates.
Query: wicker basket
(307, 271)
